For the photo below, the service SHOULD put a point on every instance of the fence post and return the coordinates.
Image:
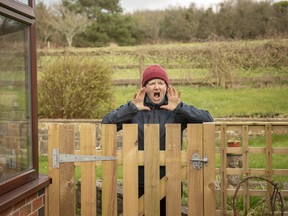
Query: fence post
(130, 169)
(88, 169)
(223, 170)
(195, 177)
(141, 68)
(268, 153)
(67, 171)
(62, 190)
(245, 159)
(109, 170)
(151, 170)
(173, 169)
(209, 170)
(54, 174)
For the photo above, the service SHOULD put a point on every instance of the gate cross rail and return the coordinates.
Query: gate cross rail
(58, 158)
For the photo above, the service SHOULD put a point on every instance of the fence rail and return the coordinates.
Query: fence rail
(210, 183)
(260, 81)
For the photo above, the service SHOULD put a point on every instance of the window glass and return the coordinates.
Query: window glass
(15, 105)
(23, 1)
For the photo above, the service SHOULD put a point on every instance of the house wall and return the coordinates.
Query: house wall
(33, 205)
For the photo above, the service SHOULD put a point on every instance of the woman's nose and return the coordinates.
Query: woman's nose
(157, 85)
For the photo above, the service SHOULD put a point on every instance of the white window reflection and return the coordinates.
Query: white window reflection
(22, 1)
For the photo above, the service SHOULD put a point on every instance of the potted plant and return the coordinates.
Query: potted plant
(233, 143)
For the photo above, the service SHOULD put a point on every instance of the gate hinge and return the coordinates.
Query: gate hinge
(58, 158)
(197, 163)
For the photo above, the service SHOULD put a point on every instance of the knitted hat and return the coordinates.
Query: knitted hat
(154, 72)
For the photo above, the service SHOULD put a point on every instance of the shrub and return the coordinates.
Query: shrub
(75, 87)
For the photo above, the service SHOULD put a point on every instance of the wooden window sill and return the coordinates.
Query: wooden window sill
(24, 191)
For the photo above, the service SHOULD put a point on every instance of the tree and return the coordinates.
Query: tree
(93, 8)
(280, 17)
(178, 25)
(119, 29)
(69, 23)
(206, 24)
(44, 26)
(111, 27)
(147, 25)
(225, 19)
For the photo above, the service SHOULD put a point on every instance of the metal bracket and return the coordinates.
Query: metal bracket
(197, 163)
(58, 158)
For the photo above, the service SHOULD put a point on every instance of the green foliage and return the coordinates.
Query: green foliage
(206, 24)
(177, 25)
(75, 87)
(146, 25)
(109, 28)
(44, 25)
(93, 8)
(234, 19)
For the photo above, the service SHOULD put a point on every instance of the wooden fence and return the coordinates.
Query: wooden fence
(208, 189)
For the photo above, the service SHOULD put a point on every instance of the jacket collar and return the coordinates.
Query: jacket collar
(152, 105)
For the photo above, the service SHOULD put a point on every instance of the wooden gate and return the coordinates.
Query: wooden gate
(181, 165)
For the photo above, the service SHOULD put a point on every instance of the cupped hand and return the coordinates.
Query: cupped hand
(173, 99)
(138, 99)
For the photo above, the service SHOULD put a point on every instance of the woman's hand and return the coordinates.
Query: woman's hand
(138, 99)
(173, 99)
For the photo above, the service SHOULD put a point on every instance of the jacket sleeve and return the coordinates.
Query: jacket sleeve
(192, 114)
(121, 115)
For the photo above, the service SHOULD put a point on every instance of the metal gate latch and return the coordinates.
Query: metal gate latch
(197, 163)
(58, 158)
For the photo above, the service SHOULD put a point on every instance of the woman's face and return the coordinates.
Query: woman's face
(156, 90)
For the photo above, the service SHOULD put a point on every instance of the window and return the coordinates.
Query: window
(18, 117)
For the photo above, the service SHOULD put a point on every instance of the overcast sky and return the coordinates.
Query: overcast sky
(132, 5)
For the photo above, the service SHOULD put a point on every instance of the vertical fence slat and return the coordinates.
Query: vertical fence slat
(245, 159)
(67, 172)
(109, 171)
(195, 177)
(223, 169)
(209, 170)
(130, 169)
(151, 170)
(141, 68)
(173, 169)
(268, 133)
(54, 188)
(88, 169)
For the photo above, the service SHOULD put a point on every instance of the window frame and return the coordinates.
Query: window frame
(25, 14)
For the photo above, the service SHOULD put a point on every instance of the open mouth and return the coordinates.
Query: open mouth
(156, 94)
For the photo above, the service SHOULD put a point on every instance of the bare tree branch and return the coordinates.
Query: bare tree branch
(69, 23)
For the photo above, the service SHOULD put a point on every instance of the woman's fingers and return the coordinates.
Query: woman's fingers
(172, 92)
(135, 95)
(140, 93)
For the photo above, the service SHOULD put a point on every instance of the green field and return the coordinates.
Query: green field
(226, 60)
(259, 58)
(243, 102)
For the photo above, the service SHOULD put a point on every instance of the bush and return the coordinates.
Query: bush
(75, 87)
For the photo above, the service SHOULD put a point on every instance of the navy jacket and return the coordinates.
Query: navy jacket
(129, 113)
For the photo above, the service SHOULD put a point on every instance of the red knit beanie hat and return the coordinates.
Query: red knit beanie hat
(154, 72)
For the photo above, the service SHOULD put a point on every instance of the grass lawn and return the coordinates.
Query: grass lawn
(242, 102)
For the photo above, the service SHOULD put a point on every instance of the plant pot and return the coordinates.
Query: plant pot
(233, 143)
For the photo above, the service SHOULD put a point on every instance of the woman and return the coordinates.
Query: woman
(155, 103)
